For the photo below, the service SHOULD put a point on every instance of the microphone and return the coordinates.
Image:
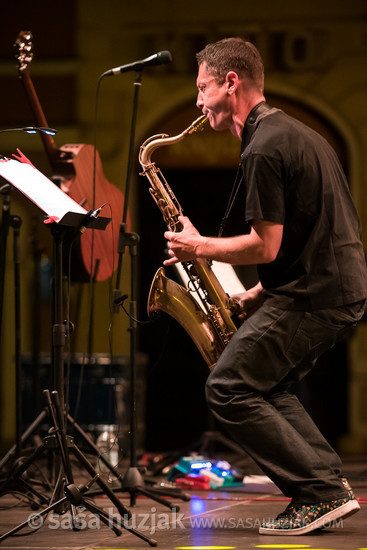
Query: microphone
(31, 130)
(89, 217)
(160, 58)
(40, 129)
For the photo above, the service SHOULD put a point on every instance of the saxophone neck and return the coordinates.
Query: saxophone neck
(160, 140)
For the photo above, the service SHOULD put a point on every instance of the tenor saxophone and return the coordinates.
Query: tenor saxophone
(210, 324)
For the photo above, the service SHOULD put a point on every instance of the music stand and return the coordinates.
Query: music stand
(63, 215)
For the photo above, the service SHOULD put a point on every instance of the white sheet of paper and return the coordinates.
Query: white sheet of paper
(225, 274)
(228, 278)
(39, 189)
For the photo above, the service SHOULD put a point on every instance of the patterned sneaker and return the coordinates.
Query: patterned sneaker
(304, 519)
(288, 511)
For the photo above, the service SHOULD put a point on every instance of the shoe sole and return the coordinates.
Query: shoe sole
(344, 511)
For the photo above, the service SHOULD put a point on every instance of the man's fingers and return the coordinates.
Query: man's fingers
(169, 235)
(171, 261)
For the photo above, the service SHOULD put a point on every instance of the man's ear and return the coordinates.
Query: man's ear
(232, 81)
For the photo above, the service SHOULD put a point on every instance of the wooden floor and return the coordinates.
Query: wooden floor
(207, 519)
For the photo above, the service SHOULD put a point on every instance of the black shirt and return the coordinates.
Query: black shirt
(293, 177)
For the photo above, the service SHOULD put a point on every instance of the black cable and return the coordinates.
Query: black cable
(148, 322)
(91, 270)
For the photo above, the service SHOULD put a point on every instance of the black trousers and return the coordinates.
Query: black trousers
(247, 392)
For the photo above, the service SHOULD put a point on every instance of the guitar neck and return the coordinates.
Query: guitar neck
(59, 160)
(38, 114)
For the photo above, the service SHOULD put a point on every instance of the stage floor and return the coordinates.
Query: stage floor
(212, 519)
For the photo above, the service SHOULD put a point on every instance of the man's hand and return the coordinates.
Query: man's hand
(260, 246)
(249, 301)
(182, 246)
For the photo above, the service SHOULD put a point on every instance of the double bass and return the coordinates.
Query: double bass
(79, 170)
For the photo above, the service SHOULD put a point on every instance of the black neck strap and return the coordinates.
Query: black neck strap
(260, 111)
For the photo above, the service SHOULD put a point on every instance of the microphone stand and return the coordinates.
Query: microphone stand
(133, 481)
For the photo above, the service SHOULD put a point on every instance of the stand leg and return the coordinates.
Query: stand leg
(14, 478)
(135, 484)
(10, 454)
(73, 494)
(93, 446)
(34, 519)
(124, 512)
(132, 480)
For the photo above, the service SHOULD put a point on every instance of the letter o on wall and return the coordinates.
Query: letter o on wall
(298, 50)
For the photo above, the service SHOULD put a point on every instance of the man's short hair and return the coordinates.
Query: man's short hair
(233, 54)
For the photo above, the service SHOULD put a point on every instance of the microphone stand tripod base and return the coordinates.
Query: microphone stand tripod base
(133, 482)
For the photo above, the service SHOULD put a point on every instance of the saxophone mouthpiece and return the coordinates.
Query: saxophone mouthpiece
(198, 124)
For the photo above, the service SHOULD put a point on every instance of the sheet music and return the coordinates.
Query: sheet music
(225, 274)
(228, 278)
(39, 189)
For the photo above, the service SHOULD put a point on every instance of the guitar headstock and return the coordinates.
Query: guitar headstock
(24, 47)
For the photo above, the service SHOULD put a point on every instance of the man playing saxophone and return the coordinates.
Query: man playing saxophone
(305, 240)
